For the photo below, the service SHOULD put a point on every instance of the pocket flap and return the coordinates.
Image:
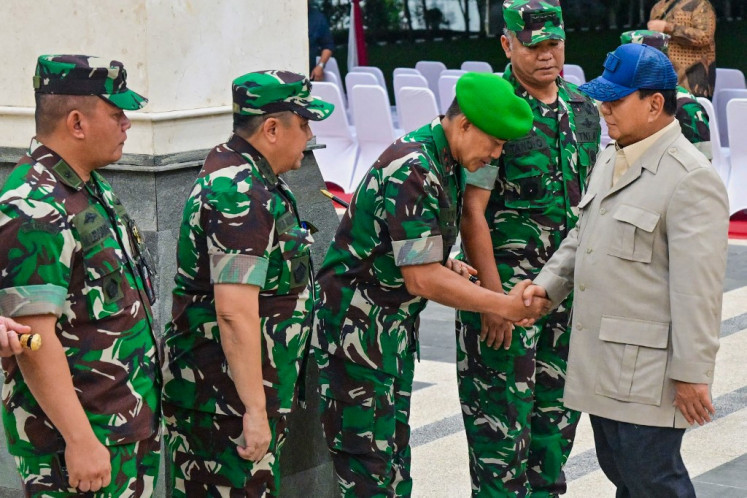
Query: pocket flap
(637, 332)
(586, 199)
(641, 218)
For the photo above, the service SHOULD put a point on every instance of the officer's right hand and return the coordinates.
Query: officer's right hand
(9, 330)
(496, 331)
(89, 465)
(257, 436)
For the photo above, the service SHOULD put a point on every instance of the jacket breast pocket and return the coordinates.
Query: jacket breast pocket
(633, 236)
(633, 360)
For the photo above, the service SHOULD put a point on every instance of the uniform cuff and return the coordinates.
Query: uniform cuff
(238, 269)
(30, 300)
(484, 177)
(418, 251)
(694, 372)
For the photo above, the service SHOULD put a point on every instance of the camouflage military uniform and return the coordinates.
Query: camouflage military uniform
(71, 250)
(236, 188)
(404, 212)
(692, 25)
(691, 115)
(517, 428)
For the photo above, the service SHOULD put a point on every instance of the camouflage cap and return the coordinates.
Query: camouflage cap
(489, 102)
(534, 21)
(654, 39)
(265, 92)
(86, 75)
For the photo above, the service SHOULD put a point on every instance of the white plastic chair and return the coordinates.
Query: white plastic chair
(373, 125)
(446, 91)
(372, 70)
(719, 155)
(402, 80)
(572, 78)
(337, 161)
(332, 67)
(736, 117)
(331, 77)
(405, 70)
(353, 79)
(431, 70)
(574, 70)
(477, 66)
(417, 107)
(720, 101)
(452, 72)
(728, 78)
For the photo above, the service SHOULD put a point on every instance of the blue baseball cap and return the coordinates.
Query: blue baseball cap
(629, 68)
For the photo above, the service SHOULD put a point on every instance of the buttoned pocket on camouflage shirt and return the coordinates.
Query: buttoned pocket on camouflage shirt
(525, 180)
(105, 283)
(105, 280)
(295, 243)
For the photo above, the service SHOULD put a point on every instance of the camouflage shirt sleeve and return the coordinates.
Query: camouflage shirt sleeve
(412, 212)
(37, 256)
(484, 177)
(237, 256)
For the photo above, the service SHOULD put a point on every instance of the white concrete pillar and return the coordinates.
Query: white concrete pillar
(181, 54)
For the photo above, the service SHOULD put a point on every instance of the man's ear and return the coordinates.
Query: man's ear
(463, 123)
(506, 45)
(74, 123)
(656, 104)
(270, 129)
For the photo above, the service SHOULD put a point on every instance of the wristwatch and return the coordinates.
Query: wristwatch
(321, 64)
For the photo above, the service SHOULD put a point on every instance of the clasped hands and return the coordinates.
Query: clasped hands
(528, 303)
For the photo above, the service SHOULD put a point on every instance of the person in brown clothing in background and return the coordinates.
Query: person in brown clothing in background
(692, 49)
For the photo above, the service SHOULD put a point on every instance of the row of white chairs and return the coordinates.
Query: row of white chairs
(730, 162)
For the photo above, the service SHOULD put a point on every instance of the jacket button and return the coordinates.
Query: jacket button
(603, 211)
(588, 250)
(581, 287)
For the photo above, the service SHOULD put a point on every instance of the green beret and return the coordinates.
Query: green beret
(489, 102)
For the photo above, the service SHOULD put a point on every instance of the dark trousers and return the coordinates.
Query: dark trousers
(641, 460)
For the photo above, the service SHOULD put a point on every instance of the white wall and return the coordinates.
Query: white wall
(181, 54)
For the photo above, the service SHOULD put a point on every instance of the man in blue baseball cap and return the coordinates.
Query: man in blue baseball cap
(646, 263)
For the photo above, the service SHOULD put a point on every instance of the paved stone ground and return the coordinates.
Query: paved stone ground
(715, 454)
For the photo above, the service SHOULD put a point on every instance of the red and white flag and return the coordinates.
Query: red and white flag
(357, 55)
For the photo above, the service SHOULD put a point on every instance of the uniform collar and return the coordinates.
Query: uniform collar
(53, 162)
(252, 155)
(565, 92)
(447, 161)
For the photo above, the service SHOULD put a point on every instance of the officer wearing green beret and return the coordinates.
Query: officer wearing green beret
(82, 413)
(241, 316)
(516, 213)
(389, 257)
(691, 115)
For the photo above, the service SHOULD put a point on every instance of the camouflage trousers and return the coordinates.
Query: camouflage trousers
(134, 472)
(203, 461)
(365, 416)
(518, 430)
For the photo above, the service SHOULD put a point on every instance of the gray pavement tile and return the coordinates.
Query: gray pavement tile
(726, 479)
